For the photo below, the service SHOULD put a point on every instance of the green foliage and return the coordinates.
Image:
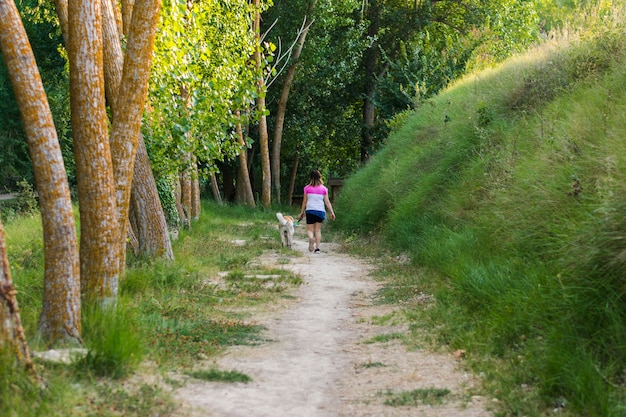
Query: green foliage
(167, 197)
(324, 109)
(506, 191)
(202, 75)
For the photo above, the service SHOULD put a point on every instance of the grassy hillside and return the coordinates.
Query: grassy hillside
(508, 191)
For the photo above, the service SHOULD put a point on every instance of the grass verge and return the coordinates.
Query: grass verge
(169, 318)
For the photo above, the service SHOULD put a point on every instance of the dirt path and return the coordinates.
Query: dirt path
(320, 364)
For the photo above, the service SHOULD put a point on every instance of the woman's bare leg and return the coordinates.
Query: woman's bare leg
(310, 231)
(318, 234)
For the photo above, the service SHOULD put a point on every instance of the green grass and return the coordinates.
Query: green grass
(216, 375)
(170, 313)
(506, 192)
(384, 338)
(113, 339)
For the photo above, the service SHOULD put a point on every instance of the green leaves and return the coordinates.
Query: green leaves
(202, 75)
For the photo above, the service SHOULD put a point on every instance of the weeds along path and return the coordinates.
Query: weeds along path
(321, 359)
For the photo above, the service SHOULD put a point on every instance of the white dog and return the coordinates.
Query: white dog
(286, 229)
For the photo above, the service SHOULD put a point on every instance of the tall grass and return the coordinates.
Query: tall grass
(170, 315)
(507, 190)
(112, 336)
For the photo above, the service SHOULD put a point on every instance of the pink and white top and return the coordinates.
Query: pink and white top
(315, 197)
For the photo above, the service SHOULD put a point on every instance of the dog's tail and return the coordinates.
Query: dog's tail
(281, 219)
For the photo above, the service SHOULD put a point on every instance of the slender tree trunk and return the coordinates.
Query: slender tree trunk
(11, 331)
(292, 180)
(244, 187)
(62, 13)
(99, 237)
(185, 193)
(60, 318)
(195, 190)
(266, 189)
(178, 195)
(133, 242)
(127, 13)
(282, 102)
(216, 189)
(371, 59)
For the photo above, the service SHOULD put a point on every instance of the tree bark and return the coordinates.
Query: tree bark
(146, 212)
(215, 188)
(266, 188)
(371, 58)
(244, 192)
(292, 180)
(11, 330)
(127, 13)
(178, 194)
(151, 236)
(282, 102)
(185, 194)
(113, 55)
(60, 318)
(99, 237)
(62, 13)
(195, 190)
(131, 99)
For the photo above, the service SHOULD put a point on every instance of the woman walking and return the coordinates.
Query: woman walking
(313, 205)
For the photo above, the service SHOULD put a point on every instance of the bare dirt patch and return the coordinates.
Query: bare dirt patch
(324, 358)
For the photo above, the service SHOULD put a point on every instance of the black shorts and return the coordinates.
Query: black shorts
(313, 217)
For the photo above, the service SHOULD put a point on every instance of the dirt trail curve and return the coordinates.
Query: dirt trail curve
(317, 364)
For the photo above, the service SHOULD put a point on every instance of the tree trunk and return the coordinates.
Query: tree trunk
(185, 193)
(244, 188)
(126, 129)
(178, 195)
(292, 180)
(62, 13)
(371, 58)
(11, 331)
(216, 189)
(266, 188)
(60, 318)
(282, 102)
(144, 193)
(133, 242)
(113, 55)
(127, 13)
(146, 212)
(195, 190)
(99, 237)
